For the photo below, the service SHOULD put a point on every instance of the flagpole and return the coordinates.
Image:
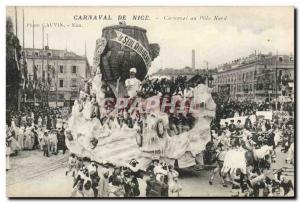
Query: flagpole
(47, 82)
(23, 30)
(43, 47)
(56, 81)
(17, 61)
(33, 54)
(16, 19)
(24, 57)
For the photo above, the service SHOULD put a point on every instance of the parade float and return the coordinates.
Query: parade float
(120, 48)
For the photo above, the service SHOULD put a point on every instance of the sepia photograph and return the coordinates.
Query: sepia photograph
(150, 102)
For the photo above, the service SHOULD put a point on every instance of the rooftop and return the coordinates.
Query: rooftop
(53, 54)
(260, 59)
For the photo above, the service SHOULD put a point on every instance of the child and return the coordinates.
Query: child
(71, 165)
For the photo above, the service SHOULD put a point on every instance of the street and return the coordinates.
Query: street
(33, 175)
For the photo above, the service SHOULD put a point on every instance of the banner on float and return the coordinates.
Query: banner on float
(241, 118)
(133, 44)
(265, 114)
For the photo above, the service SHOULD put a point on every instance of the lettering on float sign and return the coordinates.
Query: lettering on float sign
(133, 44)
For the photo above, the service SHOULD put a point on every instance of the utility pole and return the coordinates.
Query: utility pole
(207, 73)
(47, 81)
(276, 79)
(33, 61)
(23, 30)
(56, 83)
(43, 47)
(16, 18)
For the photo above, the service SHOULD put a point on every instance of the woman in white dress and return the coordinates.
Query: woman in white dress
(28, 138)
(40, 122)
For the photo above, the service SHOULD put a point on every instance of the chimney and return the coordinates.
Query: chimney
(193, 59)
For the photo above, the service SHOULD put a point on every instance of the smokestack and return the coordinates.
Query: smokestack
(193, 59)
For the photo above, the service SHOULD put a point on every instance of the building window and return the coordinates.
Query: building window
(74, 69)
(61, 83)
(61, 69)
(36, 53)
(49, 54)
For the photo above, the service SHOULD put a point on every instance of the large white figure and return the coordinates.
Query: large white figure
(132, 84)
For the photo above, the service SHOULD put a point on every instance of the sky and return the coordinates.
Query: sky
(244, 30)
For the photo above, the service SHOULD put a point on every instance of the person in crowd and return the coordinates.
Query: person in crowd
(71, 167)
(117, 183)
(103, 188)
(131, 184)
(78, 189)
(8, 152)
(46, 144)
(175, 188)
(164, 186)
(61, 141)
(286, 185)
(53, 142)
(232, 126)
(88, 190)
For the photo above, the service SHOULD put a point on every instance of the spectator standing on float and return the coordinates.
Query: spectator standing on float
(132, 84)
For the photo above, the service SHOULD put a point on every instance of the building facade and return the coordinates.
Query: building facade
(258, 76)
(59, 73)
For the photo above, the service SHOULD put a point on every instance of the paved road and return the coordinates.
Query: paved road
(33, 175)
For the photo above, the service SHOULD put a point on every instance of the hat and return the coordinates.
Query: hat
(132, 70)
(155, 158)
(127, 173)
(133, 162)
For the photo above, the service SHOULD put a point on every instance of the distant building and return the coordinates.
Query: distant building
(257, 77)
(60, 75)
(186, 71)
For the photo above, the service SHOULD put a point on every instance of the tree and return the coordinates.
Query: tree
(13, 74)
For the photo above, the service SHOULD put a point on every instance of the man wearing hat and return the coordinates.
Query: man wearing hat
(132, 84)
(232, 126)
(46, 144)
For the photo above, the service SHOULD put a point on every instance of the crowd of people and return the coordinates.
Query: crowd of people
(261, 136)
(229, 107)
(169, 86)
(252, 137)
(93, 180)
(35, 128)
(257, 140)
